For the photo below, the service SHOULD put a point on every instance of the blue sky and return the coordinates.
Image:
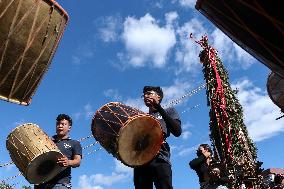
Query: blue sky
(109, 51)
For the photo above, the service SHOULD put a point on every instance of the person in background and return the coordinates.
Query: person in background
(218, 176)
(278, 182)
(201, 163)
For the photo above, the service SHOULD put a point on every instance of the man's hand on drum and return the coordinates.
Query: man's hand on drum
(63, 161)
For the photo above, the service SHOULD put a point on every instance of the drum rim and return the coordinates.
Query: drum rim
(14, 100)
(118, 103)
(271, 74)
(60, 8)
(126, 123)
(32, 160)
(21, 125)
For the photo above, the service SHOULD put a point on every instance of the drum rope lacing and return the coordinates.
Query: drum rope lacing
(81, 139)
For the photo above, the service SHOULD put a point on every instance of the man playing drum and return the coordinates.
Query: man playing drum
(158, 171)
(72, 154)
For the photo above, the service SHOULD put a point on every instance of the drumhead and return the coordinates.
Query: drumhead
(275, 89)
(44, 167)
(139, 140)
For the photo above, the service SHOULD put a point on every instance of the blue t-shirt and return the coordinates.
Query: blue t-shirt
(164, 152)
(69, 148)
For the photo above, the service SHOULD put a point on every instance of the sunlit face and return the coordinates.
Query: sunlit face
(201, 149)
(149, 96)
(63, 127)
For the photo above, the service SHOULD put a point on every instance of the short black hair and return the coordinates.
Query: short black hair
(206, 147)
(157, 89)
(64, 116)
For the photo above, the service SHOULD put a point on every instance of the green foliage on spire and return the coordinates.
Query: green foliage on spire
(228, 133)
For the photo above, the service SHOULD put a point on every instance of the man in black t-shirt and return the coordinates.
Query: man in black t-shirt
(201, 164)
(211, 173)
(72, 154)
(158, 171)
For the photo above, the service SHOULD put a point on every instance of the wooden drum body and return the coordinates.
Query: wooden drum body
(29, 34)
(128, 134)
(34, 153)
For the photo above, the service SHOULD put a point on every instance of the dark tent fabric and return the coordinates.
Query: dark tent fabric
(256, 26)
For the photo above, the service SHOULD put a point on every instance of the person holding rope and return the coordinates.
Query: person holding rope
(201, 163)
(158, 171)
(72, 154)
(211, 173)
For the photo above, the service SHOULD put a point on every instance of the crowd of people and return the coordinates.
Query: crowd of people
(211, 173)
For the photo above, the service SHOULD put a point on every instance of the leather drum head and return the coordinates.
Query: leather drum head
(139, 140)
(44, 167)
(275, 89)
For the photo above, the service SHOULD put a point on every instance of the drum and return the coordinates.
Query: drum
(29, 35)
(34, 153)
(275, 89)
(254, 25)
(128, 134)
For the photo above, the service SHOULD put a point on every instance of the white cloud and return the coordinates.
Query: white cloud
(259, 111)
(245, 59)
(186, 151)
(75, 60)
(177, 90)
(107, 180)
(109, 29)
(187, 3)
(83, 53)
(136, 103)
(121, 168)
(147, 42)
(120, 174)
(230, 51)
(85, 182)
(186, 125)
(187, 51)
(223, 44)
(87, 112)
(171, 17)
(113, 94)
(185, 135)
(88, 109)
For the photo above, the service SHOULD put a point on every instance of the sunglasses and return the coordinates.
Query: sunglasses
(149, 93)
